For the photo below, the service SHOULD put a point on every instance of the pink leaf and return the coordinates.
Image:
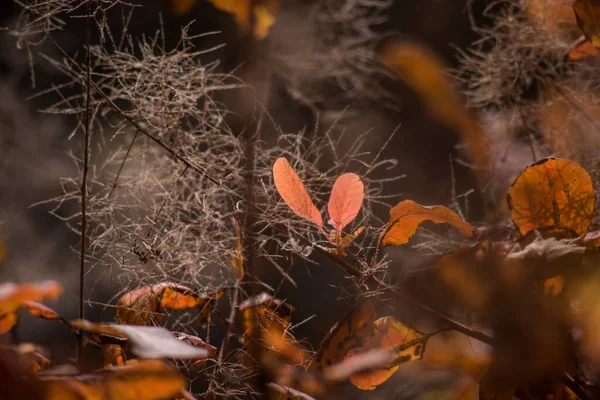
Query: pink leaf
(293, 192)
(346, 199)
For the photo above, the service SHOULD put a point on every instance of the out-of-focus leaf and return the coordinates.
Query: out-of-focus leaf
(407, 215)
(41, 311)
(345, 201)
(264, 13)
(424, 72)
(181, 7)
(587, 13)
(7, 321)
(552, 193)
(158, 342)
(350, 332)
(113, 355)
(293, 192)
(147, 380)
(405, 343)
(12, 296)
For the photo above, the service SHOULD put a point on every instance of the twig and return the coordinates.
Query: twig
(86, 154)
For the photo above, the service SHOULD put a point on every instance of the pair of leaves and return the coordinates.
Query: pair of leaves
(141, 306)
(344, 204)
(7, 321)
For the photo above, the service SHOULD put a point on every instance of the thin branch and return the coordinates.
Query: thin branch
(86, 154)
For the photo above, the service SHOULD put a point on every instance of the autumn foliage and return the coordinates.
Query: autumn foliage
(503, 305)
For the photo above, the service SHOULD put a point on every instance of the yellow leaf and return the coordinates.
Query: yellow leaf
(407, 215)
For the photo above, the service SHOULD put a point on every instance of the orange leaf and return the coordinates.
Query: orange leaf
(13, 296)
(350, 332)
(293, 192)
(113, 354)
(197, 342)
(346, 199)
(41, 311)
(7, 321)
(138, 307)
(147, 380)
(405, 343)
(407, 215)
(264, 12)
(552, 193)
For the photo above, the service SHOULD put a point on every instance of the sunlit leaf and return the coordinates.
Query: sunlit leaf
(405, 343)
(554, 286)
(424, 72)
(552, 193)
(345, 201)
(350, 332)
(264, 13)
(407, 215)
(12, 296)
(293, 192)
(587, 13)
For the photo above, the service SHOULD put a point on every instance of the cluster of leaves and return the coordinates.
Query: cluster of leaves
(170, 222)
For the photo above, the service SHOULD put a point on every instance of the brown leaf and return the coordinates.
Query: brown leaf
(113, 355)
(350, 332)
(405, 343)
(552, 193)
(581, 49)
(138, 307)
(181, 7)
(407, 215)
